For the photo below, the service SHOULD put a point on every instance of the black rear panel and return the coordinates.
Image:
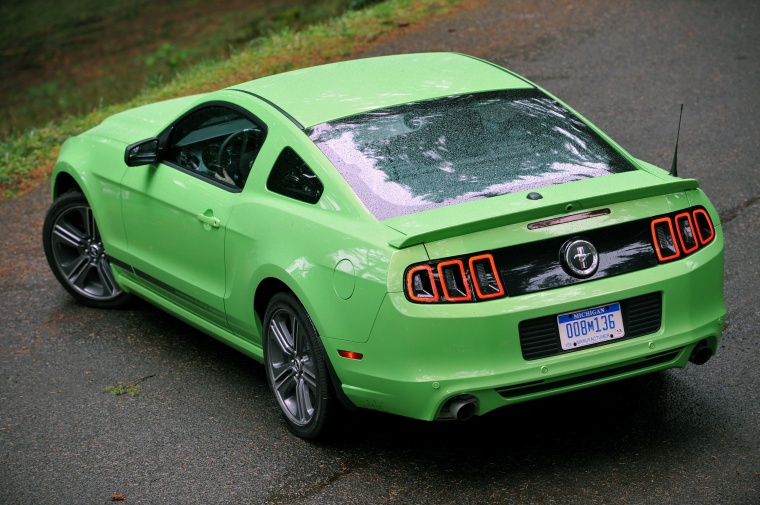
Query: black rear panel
(642, 315)
(536, 266)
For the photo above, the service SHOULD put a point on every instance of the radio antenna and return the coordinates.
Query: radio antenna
(674, 165)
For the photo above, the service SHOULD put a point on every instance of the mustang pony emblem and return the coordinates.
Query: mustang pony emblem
(579, 257)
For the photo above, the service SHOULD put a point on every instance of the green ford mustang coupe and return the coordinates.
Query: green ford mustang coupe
(429, 235)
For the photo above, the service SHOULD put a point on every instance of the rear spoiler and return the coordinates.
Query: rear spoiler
(524, 212)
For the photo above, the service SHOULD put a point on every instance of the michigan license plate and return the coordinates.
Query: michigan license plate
(590, 326)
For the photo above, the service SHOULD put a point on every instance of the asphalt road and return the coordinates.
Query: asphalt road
(204, 429)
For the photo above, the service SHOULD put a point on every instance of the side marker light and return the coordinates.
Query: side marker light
(351, 354)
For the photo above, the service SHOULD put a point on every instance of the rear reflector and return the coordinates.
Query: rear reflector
(351, 354)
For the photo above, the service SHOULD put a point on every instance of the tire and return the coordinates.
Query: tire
(74, 250)
(295, 367)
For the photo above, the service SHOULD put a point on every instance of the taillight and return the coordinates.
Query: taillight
(681, 234)
(487, 282)
(420, 284)
(665, 239)
(705, 228)
(464, 279)
(454, 281)
(686, 236)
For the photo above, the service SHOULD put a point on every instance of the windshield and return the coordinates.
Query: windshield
(429, 154)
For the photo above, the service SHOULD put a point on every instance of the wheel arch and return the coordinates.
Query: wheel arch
(63, 183)
(266, 289)
(269, 287)
(78, 260)
(271, 279)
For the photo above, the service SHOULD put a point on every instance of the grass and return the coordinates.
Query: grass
(133, 389)
(121, 388)
(28, 158)
(68, 58)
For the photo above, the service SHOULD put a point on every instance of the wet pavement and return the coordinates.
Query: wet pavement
(205, 430)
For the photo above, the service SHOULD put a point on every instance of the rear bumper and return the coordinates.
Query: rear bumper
(419, 356)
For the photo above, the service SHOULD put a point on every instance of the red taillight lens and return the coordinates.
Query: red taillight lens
(686, 236)
(454, 280)
(485, 277)
(351, 354)
(664, 239)
(420, 284)
(693, 228)
(704, 224)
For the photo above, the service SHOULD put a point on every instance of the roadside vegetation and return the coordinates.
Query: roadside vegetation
(66, 58)
(287, 42)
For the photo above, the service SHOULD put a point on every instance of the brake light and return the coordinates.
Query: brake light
(465, 279)
(705, 228)
(693, 229)
(665, 239)
(487, 282)
(686, 237)
(420, 284)
(454, 281)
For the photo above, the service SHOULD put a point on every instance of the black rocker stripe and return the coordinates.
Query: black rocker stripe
(166, 287)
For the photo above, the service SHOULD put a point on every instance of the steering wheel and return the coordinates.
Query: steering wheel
(232, 172)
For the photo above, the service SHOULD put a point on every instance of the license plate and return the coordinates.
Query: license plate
(590, 326)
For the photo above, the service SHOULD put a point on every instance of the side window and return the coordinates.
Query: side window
(217, 143)
(292, 177)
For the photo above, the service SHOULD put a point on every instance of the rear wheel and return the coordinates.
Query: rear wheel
(296, 367)
(75, 252)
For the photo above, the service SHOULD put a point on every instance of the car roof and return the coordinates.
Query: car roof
(326, 92)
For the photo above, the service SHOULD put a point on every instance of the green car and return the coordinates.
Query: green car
(428, 235)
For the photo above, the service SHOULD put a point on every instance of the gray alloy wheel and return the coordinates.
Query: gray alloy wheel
(295, 366)
(74, 250)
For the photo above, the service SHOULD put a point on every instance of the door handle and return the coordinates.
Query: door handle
(209, 220)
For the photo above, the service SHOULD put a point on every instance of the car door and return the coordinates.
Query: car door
(175, 211)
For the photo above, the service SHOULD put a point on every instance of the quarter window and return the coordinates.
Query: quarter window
(217, 143)
(292, 177)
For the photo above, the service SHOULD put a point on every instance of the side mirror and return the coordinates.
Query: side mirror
(142, 153)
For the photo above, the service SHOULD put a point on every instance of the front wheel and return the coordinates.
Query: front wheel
(75, 252)
(296, 367)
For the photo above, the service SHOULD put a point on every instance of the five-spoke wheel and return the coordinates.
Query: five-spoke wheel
(76, 255)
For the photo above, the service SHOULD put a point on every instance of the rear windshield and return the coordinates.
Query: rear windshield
(430, 154)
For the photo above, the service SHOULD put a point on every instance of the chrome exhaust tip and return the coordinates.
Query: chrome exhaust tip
(458, 408)
(701, 354)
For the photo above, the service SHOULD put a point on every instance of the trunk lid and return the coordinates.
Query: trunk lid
(572, 197)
